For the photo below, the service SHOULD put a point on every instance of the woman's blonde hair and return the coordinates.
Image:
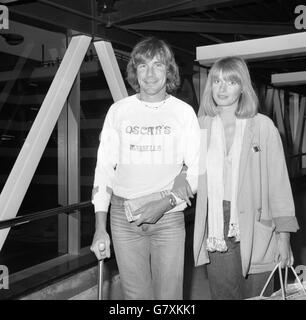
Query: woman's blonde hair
(147, 49)
(232, 68)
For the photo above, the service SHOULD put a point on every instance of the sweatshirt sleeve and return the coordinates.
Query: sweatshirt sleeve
(280, 194)
(192, 150)
(107, 159)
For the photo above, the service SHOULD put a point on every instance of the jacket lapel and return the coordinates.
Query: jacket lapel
(246, 149)
(200, 227)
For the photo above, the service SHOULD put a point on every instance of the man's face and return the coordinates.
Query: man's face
(152, 76)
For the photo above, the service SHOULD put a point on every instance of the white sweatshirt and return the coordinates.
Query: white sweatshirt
(142, 150)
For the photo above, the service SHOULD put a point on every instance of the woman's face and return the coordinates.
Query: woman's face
(226, 93)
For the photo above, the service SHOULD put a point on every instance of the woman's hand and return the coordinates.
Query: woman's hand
(181, 188)
(285, 253)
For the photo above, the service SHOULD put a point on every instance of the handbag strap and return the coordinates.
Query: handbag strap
(267, 282)
(283, 287)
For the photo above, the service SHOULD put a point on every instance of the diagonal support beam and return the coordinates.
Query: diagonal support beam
(32, 150)
(111, 69)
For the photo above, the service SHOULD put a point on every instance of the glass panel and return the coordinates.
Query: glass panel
(29, 60)
(36, 240)
(30, 244)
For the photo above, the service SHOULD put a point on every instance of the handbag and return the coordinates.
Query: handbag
(294, 291)
(131, 205)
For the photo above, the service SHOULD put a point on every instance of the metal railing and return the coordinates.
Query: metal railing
(43, 214)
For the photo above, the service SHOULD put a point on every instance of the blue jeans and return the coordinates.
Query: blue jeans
(150, 259)
(225, 271)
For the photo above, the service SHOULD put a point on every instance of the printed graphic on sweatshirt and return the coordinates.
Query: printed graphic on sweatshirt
(149, 143)
(150, 148)
(148, 130)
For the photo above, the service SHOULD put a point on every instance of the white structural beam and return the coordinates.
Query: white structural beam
(294, 43)
(289, 79)
(33, 147)
(111, 69)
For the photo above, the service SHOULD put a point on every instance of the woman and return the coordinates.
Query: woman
(245, 228)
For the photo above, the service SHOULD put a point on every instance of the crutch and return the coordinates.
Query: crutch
(100, 279)
(100, 274)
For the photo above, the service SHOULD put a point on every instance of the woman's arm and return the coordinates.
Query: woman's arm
(281, 201)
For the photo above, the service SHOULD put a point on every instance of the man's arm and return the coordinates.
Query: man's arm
(104, 174)
(107, 159)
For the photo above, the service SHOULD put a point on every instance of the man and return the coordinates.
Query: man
(145, 141)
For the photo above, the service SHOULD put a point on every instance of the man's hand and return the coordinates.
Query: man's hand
(285, 253)
(101, 244)
(152, 211)
(181, 188)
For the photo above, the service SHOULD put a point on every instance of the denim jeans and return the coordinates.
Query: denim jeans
(150, 259)
(225, 271)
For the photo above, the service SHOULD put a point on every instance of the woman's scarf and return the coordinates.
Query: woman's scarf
(215, 183)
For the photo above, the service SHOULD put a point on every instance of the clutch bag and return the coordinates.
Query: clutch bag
(131, 205)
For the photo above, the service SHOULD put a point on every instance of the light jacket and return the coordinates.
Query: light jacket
(265, 203)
